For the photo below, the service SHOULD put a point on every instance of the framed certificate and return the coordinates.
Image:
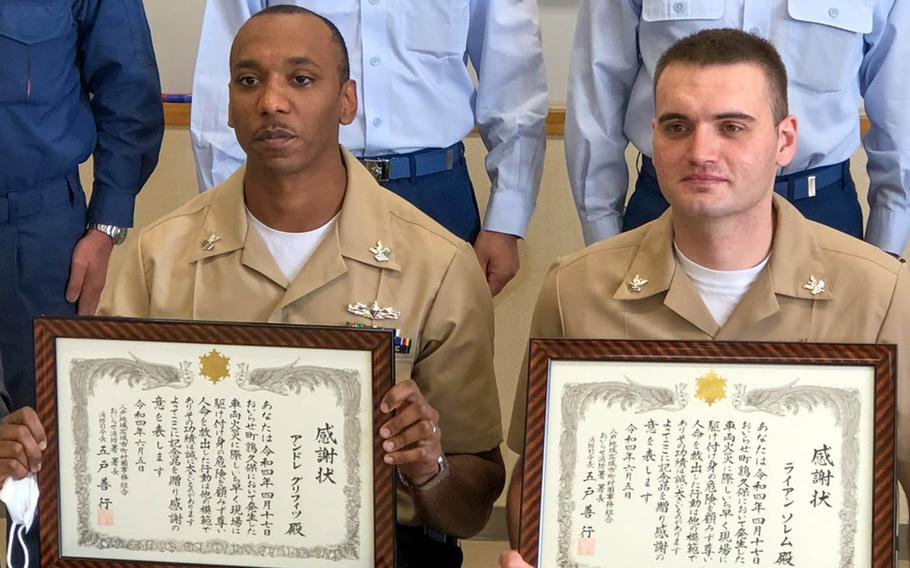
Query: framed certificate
(213, 444)
(682, 454)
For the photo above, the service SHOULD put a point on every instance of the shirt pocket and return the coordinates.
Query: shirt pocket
(664, 22)
(38, 47)
(826, 42)
(436, 27)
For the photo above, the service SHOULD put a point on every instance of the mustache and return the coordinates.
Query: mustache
(274, 131)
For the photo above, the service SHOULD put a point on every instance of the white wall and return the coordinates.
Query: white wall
(175, 28)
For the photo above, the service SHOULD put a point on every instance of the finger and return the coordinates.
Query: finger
(27, 417)
(422, 431)
(411, 414)
(9, 466)
(424, 453)
(14, 458)
(78, 269)
(90, 295)
(398, 395)
(482, 258)
(496, 282)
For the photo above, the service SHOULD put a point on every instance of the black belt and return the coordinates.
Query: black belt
(414, 164)
(432, 534)
(798, 185)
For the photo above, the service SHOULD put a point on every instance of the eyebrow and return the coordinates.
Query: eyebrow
(666, 117)
(302, 60)
(293, 61)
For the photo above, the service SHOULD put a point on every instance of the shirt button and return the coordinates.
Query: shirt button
(374, 61)
(377, 122)
(679, 7)
(755, 31)
(833, 12)
(374, 1)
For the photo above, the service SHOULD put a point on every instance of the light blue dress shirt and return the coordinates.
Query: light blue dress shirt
(838, 53)
(409, 58)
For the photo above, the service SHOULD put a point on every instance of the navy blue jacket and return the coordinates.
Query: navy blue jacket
(78, 78)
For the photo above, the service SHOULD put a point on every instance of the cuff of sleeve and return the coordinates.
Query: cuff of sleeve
(508, 212)
(111, 207)
(600, 229)
(888, 230)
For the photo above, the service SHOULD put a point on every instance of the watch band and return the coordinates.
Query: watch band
(117, 234)
(438, 478)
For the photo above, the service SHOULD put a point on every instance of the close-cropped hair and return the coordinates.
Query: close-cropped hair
(727, 46)
(344, 63)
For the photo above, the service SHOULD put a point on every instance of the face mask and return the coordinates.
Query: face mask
(21, 498)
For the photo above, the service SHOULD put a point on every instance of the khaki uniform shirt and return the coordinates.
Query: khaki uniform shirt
(432, 278)
(866, 298)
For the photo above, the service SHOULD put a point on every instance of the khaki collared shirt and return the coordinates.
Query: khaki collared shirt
(866, 298)
(431, 277)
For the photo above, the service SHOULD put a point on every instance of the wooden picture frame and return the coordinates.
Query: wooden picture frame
(295, 345)
(567, 378)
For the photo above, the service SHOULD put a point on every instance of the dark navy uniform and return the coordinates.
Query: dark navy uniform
(77, 78)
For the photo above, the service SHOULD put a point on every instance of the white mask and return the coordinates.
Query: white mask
(21, 498)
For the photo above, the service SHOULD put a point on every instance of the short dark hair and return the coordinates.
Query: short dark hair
(727, 46)
(341, 48)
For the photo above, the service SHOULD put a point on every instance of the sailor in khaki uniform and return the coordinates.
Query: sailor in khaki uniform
(376, 260)
(729, 260)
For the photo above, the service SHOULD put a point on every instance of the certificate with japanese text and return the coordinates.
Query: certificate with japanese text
(213, 444)
(684, 454)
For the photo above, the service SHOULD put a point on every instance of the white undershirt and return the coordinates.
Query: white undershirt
(720, 290)
(290, 250)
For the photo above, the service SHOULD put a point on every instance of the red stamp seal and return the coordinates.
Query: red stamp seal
(105, 518)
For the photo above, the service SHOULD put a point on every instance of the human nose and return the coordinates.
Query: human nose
(703, 145)
(273, 99)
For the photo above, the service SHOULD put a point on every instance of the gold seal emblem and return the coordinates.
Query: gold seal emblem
(711, 388)
(214, 366)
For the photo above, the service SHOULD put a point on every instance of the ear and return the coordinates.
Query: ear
(348, 102)
(786, 140)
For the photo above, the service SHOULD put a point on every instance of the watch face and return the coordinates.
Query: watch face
(118, 235)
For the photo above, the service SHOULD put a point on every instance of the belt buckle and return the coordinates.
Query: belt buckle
(379, 169)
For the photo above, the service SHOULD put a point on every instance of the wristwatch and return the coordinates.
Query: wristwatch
(117, 234)
(443, 472)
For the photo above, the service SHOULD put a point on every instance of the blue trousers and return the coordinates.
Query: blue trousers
(835, 205)
(39, 226)
(448, 197)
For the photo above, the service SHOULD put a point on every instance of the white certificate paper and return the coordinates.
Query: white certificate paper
(689, 464)
(215, 454)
